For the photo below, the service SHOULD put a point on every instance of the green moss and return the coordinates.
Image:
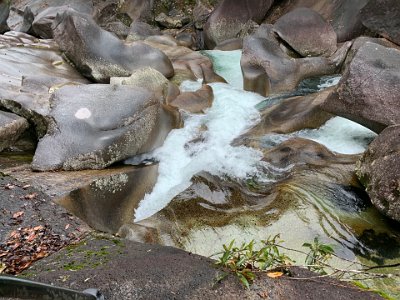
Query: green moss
(365, 287)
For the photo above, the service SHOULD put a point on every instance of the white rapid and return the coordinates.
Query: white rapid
(204, 142)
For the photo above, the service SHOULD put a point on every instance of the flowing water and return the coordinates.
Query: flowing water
(316, 206)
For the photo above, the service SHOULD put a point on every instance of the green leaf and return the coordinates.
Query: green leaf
(244, 280)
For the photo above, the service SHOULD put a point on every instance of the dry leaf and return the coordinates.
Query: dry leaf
(67, 226)
(274, 274)
(18, 214)
(2, 267)
(30, 196)
(9, 186)
(37, 228)
(26, 186)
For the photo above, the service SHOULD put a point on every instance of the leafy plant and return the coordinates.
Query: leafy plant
(245, 260)
(318, 256)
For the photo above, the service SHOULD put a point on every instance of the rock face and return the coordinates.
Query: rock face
(368, 91)
(194, 102)
(93, 126)
(383, 17)
(379, 172)
(268, 69)
(98, 54)
(306, 32)
(4, 13)
(344, 16)
(11, 127)
(234, 18)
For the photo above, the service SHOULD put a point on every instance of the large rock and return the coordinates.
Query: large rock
(4, 13)
(93, 126)
(32, 70)
(379, 172)
(368, 91)
(234, 18)
(11, 127)
(98, 54)
(344, 15)
(42, 24)
(194, 102)
(268, 67)
(383, 17)
(307, 32)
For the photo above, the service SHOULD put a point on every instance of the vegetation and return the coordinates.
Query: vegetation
(247, 260)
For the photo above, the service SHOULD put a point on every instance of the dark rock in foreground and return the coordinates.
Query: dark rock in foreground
(128, 270)
(379, 171)
(368, 91)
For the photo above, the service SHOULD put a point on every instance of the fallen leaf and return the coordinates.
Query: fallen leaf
(30, 196)
(18, 214)
(263, 295)
(9, 186)
(67, 226)
(2, 267)
(37, 228)
(26, 186)
(274, 274)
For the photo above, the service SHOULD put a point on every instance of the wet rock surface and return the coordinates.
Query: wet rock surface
(367, 92)
(379, 172)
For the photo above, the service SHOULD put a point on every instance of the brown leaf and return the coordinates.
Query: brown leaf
(26, 186)
(9, 186)
(67, 226)
(30, 196)
(18, 214)
(31, 237)
(274, 274)
(37, 228)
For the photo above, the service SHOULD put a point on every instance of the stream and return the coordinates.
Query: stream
(334, 213)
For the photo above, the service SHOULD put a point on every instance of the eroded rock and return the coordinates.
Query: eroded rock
(98, 54)
(269, 69)
(194, 102)
(93, 126)
(367, 92)
(379, 171)
(4, 13)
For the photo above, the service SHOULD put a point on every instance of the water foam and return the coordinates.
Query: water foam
(204, 145)
(338, 134)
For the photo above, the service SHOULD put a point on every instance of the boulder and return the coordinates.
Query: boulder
(292, 114)
(344, 16)
(32, 70)
(194, 102)
(4, 13)
(379, 171)
(98, 54)
(93, 126)
(174, 21)
(269, 68)
(234, 18)
(11, 128)
(140, 31)
(306, 32)
(383, 17)
(368, 91)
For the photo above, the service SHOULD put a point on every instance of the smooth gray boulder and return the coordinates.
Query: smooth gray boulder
(383, 17)
(98, 54)
(234, 18)
(307, 32)
(11, 128)
(379, 171)
(368, 91)
(269, 67)
(93, 126)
